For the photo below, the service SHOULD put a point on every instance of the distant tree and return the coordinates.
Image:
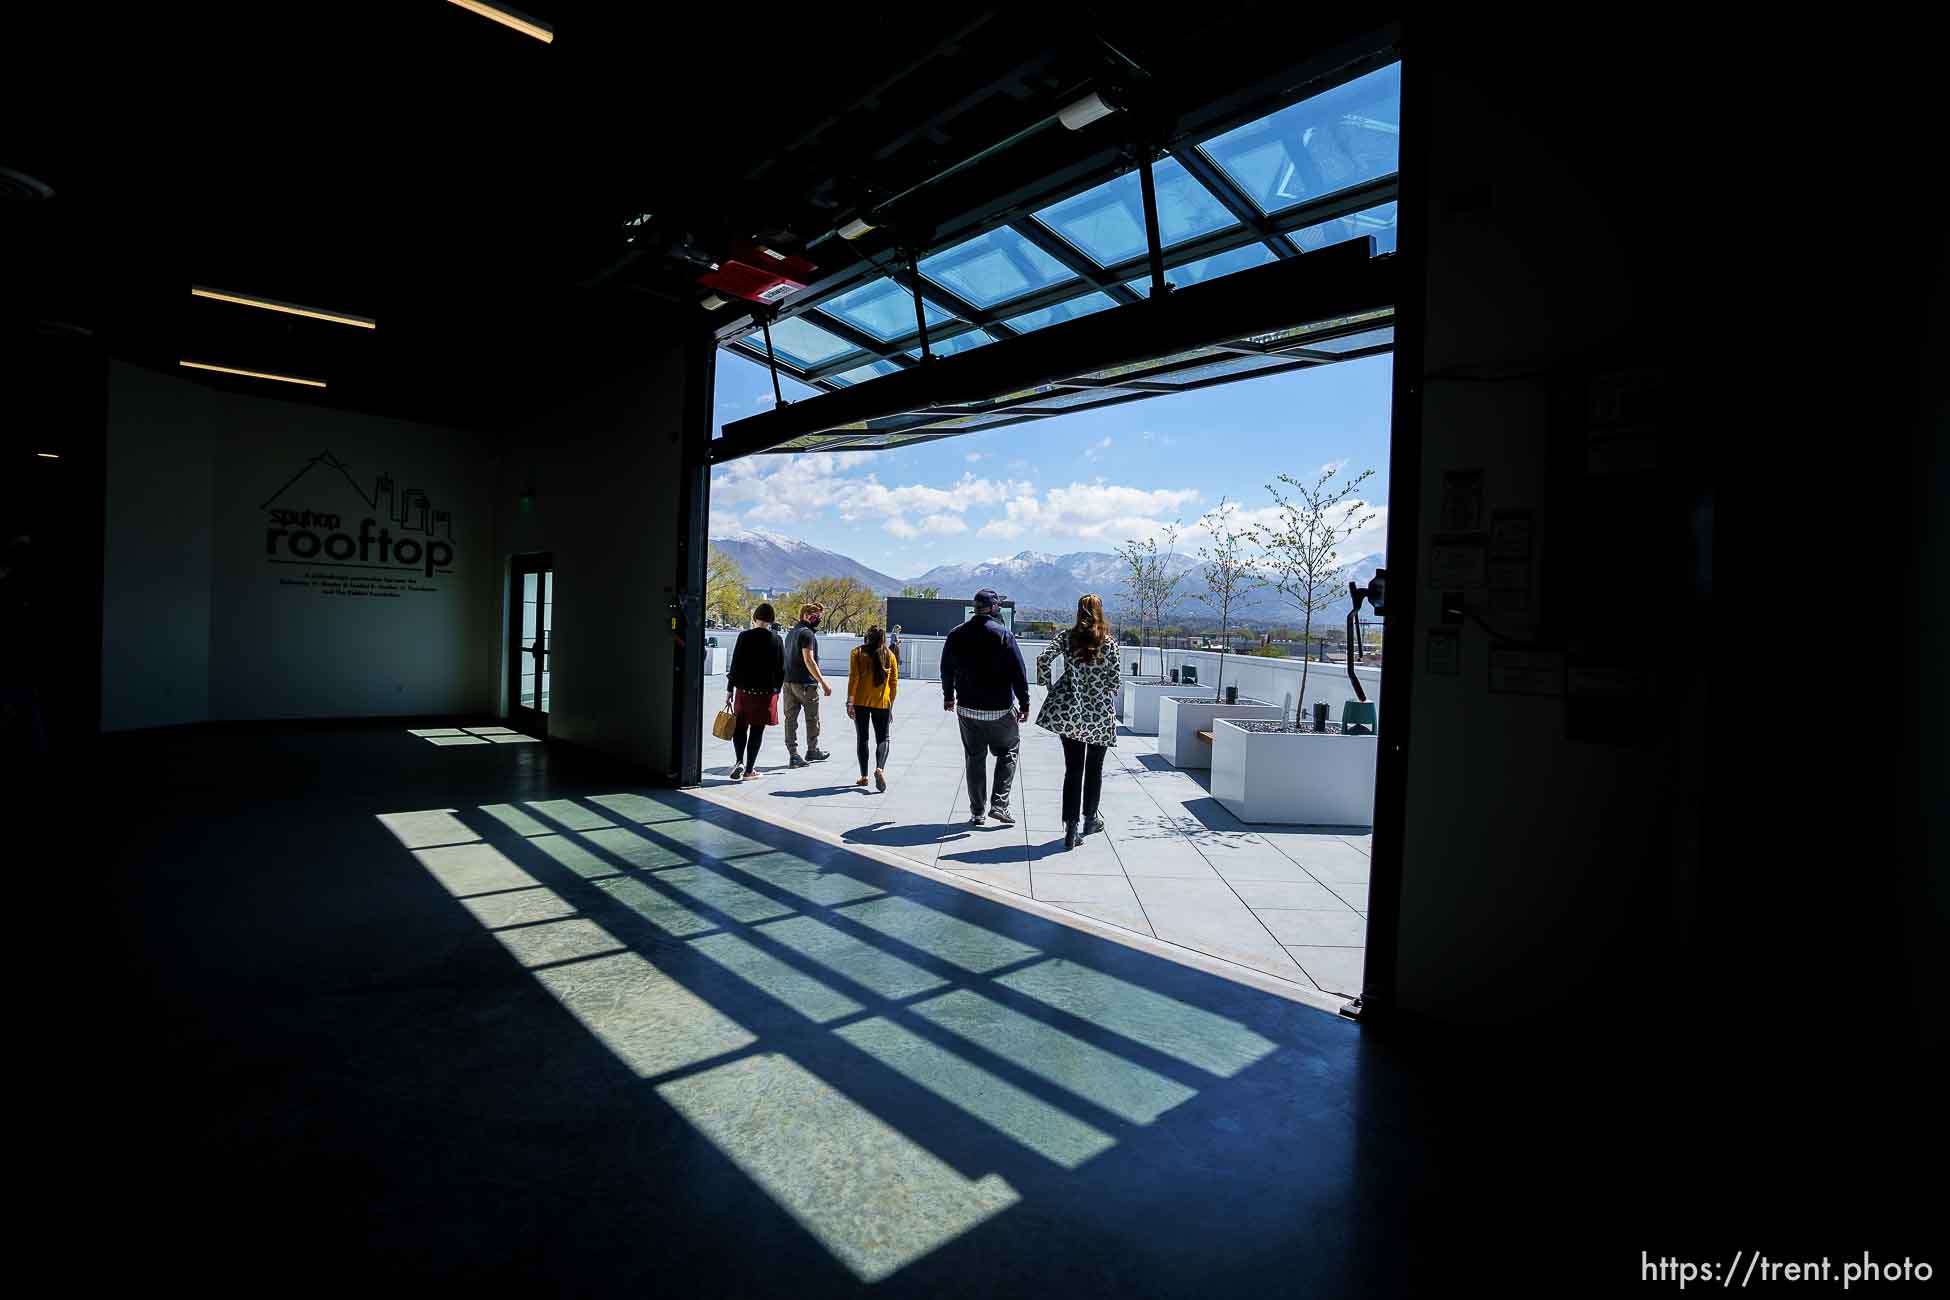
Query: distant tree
(921, 593)
(1162, 583)
(1302, 549)
(1149, 586)
(851, 605)
(1229, 573)
(727, 596)
(1133, 565)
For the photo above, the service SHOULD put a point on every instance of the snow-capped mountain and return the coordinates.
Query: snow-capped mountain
(1037, 581)
(773, 560)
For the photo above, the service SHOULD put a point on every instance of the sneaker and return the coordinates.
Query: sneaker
(817, 756)
(1002, 815)
(737, 772)
(753, 774)
(798, 762)
(880, 780)
(1093, 824)
(977, 820)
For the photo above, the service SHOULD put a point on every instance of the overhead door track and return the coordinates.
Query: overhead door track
(1342, 280)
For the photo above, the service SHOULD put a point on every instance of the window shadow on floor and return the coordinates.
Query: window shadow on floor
(794, 1009)
(533, 1026)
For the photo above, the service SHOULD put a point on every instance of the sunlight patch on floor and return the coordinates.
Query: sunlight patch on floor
(873, 1197)
(929, 996)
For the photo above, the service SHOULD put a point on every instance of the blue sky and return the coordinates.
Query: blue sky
(1081, 482)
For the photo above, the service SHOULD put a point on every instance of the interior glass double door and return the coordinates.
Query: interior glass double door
(531, 646)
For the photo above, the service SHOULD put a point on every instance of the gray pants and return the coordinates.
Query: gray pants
(801, 697)
(981, 737)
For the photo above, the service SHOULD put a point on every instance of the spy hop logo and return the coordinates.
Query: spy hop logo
(310, 521)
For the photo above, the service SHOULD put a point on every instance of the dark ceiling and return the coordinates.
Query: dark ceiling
(469, 187)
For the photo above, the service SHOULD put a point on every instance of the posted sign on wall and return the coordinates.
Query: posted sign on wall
(327, 532)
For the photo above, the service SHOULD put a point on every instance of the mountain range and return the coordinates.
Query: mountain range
(1037, 581)
(777, 562)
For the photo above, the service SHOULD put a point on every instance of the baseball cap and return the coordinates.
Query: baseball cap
(988, 598)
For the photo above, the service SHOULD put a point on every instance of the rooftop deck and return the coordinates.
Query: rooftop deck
(1290, 902)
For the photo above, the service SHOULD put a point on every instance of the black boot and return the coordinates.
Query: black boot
(1093, 824)
(1070, 836)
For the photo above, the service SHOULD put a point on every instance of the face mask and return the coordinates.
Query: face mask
(813, 621)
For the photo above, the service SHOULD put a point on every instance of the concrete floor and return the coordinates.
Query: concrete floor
(1290, 902)
(310, 1010)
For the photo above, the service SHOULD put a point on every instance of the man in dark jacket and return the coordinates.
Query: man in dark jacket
(981, 662)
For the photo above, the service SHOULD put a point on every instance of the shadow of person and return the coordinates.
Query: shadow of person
(1004, 854)
(897, 835)
(815, 791)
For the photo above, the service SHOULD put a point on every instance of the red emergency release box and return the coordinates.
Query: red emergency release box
(759, 274)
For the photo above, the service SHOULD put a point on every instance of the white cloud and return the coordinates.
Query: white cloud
(788, 493)
(1334, 466)
(1006, 529)
(943, 525)
(770, 490)
(974, 456)
(1371, 538)
(1093, 512)
(1097, 448)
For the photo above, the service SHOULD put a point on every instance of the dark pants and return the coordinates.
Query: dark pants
(1083, 778)
(981, 737)
(882, 719)
(744, 743)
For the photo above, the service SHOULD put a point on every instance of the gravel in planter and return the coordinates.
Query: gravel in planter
(1208, 698)
(1333, 728)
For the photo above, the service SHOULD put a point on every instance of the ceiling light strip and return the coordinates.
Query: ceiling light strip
(272, 304)
(253, 374)
(510, 18)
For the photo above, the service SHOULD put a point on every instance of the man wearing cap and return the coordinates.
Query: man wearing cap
(984, 681)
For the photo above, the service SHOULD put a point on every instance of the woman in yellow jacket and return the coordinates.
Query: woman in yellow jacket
(872, 677)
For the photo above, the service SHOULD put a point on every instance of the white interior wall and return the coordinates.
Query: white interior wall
(210, 613)
(157, 553)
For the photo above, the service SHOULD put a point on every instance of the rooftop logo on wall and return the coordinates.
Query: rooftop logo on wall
(333, 536)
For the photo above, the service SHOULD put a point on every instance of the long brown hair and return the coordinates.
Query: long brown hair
(1090, 631)
(875, 645)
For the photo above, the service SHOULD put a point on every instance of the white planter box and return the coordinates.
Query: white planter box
(1139, 702)
(1180, 721)
(715, 660)
(1294, 776)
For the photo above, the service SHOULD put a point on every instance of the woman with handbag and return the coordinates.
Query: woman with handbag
(1081, 709)
(752, 686)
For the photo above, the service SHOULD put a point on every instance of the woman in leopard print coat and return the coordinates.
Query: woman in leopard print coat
(1081, 708)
